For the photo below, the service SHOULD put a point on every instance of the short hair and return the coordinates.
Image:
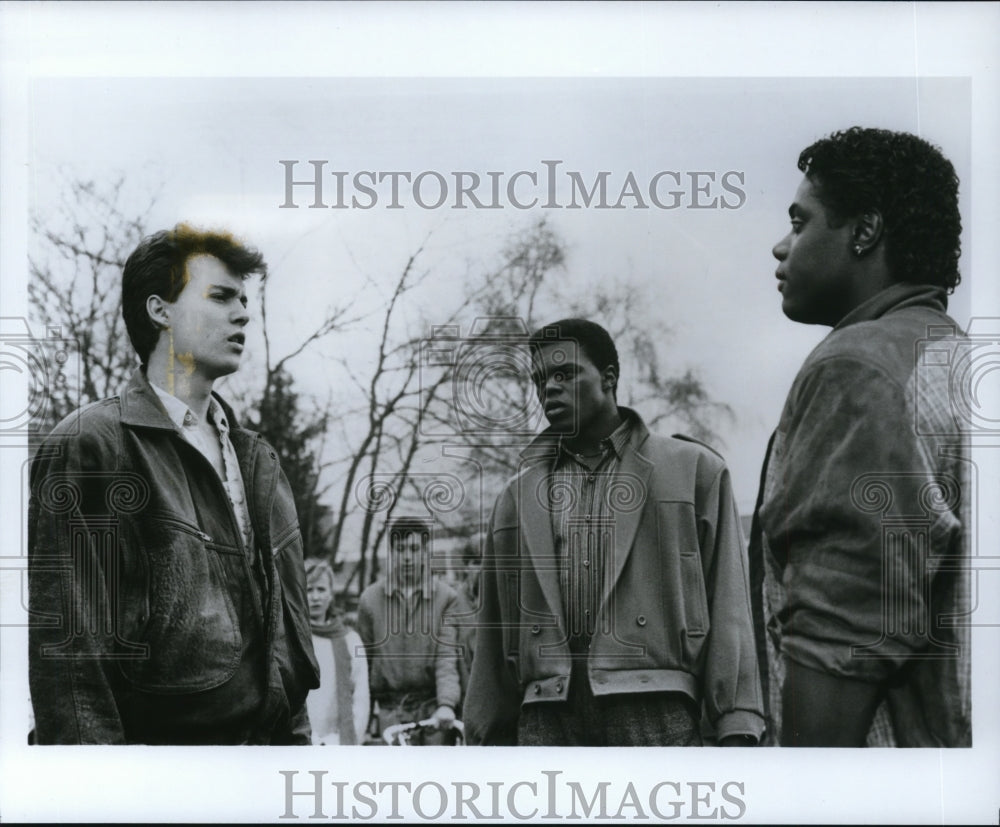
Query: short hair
(596, 342)
(316, 568)
(158, 267)
(401, 526)
(909, 182)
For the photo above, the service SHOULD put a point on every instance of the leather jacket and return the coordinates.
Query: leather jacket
(150, 621)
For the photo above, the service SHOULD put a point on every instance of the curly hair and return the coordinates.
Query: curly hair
(909, 182)
(158, 266)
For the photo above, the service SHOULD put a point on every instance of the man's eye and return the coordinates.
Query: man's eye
(797, 225)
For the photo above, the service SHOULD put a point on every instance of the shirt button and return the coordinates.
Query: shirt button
(559, 688)
(591, 478)
(587, 518)
(641, 620)
(535, 630)
(586, 562)
(538, 689)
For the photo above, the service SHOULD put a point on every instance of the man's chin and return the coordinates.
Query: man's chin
(562, 423)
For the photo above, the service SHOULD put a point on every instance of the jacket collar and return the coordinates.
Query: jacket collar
(142, 408)
(546, 445)
(895, 297)
(531, 493)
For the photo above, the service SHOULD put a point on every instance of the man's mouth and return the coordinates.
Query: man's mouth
(554, 408)
(238, 339)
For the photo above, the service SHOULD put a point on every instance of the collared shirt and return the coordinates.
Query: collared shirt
(220, 453)
(581, 506)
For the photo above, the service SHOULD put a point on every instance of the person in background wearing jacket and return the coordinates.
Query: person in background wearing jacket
(411, 645)
(338, 709)
(860, 536)
(615, 601)
(166, 584)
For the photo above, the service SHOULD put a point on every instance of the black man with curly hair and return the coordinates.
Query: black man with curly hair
(861, 527)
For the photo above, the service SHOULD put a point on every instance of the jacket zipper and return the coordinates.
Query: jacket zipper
(186, 527)
(254, 589)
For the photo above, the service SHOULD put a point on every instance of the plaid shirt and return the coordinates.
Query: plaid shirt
(583, 524)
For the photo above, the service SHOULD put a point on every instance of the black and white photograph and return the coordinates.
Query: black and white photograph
(504, 380)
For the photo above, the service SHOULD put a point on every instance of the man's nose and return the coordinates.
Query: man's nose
(780, 250)
(241, 316)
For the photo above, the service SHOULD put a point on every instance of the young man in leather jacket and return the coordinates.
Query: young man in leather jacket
(166, 580)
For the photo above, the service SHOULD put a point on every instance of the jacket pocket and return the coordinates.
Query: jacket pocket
(678, 540)
(191, 625)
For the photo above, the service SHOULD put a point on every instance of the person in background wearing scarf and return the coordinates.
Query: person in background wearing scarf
(339, 708)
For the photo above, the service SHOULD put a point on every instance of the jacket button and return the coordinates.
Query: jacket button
(641, 620)
(535, 629)
(538, 689)
(559, 688)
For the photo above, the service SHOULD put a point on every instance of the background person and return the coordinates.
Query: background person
(412, 651)
(338, 708)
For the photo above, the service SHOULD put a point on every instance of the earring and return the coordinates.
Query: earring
(858, 250)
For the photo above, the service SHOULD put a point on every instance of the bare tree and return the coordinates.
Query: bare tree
(74, 286)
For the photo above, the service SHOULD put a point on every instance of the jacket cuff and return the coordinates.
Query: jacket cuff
(740, 722)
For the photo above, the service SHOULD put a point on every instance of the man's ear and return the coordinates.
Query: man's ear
(158, 311)
(609, 378)
(867, 232)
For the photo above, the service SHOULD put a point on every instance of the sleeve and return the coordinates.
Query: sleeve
(449, 687)
(72, 631)
(847, 516)
(362, 697)
(365, 630)
(732, 694)
(301, 729)
(493, 701)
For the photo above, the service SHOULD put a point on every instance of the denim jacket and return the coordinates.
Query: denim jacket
(150, 621)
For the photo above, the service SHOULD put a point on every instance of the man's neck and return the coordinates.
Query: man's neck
(193, 389)
(589, 442)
